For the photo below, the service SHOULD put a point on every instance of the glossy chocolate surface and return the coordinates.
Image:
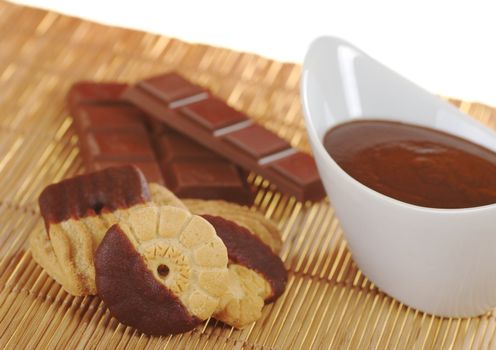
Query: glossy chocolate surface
(171, 88)
(257, 141)
(213, 113)
(414, 164)
(172, 146)
(192, 171)
(89, 92)
(127, 145)
(302, 174)
(188, 180)
(252, 149)
(84, 195)
(94, 117)
(245, 248)
(131, 291)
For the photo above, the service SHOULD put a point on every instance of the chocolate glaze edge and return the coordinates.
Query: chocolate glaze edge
(90, 194)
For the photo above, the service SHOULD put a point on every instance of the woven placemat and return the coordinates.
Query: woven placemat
(328, 302)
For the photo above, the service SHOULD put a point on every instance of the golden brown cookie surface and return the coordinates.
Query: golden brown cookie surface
(243, 216)
(160, 195)
(44, 255)
(243, 300)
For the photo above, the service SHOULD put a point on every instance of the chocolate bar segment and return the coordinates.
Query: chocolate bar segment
(173, 89)
(84, 195)
(186, 179)
(93, 117)
(257, 141)
(131, 145)
(113, 132)
(193, 171)
(173, 147)
(246, 249)
(247, 144)
(298, 168)
(89, 92)
(213, 113)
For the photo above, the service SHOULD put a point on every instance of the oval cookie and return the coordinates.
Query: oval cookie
(256, 274)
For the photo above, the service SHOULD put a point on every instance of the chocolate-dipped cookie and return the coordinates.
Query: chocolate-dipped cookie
(161, 269)
(162, 196)
(256, 274)
(77, 212)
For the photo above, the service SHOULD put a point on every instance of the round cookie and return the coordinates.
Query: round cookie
(256, 275)
(161, 269)
(252, 220)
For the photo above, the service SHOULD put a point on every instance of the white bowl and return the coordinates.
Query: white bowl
(441, 261)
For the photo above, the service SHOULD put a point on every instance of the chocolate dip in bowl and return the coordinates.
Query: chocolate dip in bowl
(437, 260)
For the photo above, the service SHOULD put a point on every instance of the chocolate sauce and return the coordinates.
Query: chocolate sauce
(415, 164)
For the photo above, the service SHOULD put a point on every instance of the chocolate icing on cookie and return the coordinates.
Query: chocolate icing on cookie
(131, 291)
(92, 194)
(246, 249)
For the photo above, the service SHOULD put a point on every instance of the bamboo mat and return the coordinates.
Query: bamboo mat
(328, 302)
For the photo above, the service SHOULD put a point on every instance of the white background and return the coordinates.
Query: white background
(448, 47)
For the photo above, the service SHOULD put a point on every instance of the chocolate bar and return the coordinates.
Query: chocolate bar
(113, 132)
(193, 111)
(84, 195)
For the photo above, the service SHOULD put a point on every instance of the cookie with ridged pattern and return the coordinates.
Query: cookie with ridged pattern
(161, 269)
